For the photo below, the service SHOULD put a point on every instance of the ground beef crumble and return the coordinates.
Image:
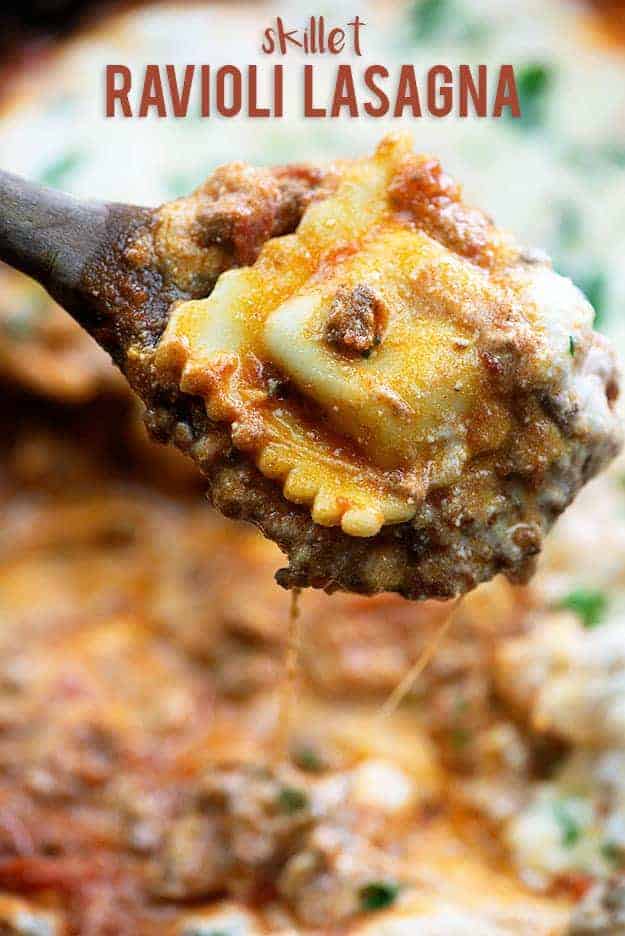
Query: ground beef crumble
(355, 321)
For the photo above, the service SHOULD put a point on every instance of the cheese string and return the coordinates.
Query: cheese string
(288, 688)
(406, 684)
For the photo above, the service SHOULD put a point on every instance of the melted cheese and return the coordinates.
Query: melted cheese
(363, 437)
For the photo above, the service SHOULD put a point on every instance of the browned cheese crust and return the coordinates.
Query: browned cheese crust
(455, 539)
(141, 659)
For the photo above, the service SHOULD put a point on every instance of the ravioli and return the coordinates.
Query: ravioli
(367, 359)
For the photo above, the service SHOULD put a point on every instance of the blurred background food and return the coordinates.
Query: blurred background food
(142, 638)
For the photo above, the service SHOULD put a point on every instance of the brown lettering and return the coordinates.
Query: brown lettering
(285, 37)
(444, 91)
(180, 100)
(205, 91)
(478, 95)
(407, 93)
(336, 40)
(309, 107)
(236, 94)
(507, 94)
(278, 91)
(118, 94)
(356, 24)
(344, 92)
(152, 95)
(269, 44)
(381, 109)
(253, 109)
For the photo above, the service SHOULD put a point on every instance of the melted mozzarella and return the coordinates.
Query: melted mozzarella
(361, 438)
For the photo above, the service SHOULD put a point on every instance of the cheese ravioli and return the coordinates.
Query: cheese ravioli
(367, 358)
(398, 360)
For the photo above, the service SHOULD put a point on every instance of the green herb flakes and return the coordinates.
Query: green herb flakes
(570, 226)
(432, 19)
(308, 759)
(57, 173)
(429, 16)
(569, 827)
(534, 81)
(460, 735)
(201, 931)
(378, 895)
(613, 854)
(291, 800)
(588, 604)
(593, 285)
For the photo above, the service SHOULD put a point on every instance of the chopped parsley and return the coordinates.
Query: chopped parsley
(596, 156)
(534, 82)
(593, 285)
(460, 735)
(378, 895)
(569, 224)
(613, 153)
(569, 827)
(612, 853)
(435, 18)
(572, 345)
(58, 172)
(588, 604)
(308, 759)
(199, 930)
(292, 800)
(429, 16)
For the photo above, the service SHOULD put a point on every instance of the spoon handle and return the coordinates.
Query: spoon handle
(48, 234)
(71, 247)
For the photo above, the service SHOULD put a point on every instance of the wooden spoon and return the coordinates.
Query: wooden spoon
(75, 249)
(81, 252)
(119, 269)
